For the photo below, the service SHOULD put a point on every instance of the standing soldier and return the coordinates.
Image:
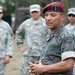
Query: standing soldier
(6, 43)
(34, 30)
(71, 26)
(59, 55)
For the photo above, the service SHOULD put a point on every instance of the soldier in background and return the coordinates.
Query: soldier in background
(6, 43)
(35, 31)
(71, 26)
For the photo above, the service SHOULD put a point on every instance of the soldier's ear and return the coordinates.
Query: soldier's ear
(62, 18)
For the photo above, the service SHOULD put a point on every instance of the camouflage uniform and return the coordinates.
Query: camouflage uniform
(6, 44)
(71, 29)
(34, 33)
(59, 46)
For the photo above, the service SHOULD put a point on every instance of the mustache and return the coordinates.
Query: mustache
(49, 22)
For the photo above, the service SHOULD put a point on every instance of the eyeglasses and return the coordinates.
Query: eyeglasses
(71, 15)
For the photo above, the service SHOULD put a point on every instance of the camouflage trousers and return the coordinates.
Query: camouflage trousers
(25, 64)
(2, 66)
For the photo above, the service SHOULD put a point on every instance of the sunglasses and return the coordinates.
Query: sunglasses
(71, 15)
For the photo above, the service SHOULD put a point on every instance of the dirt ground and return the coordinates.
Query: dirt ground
(13, 67)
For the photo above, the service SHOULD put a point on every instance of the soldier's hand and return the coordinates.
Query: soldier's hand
(7, 59)
(22, 49)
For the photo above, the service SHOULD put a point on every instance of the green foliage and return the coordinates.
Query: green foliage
(66, 3)
(9, 5)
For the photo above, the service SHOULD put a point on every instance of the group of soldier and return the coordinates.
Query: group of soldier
(49, 44)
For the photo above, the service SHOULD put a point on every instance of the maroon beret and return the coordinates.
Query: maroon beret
(54, 6)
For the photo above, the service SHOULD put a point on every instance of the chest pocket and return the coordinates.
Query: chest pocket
(55, 46)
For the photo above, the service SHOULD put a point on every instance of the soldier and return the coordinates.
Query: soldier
(6, 43)
(34, 31)
(71, 26)
(59, 55)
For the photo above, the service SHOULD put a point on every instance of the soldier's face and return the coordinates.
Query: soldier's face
(53, 20)
(35, 15)
(71, 18)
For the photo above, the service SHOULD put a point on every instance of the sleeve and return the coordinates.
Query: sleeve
(68, 48)
(10, 45)
(20, 33)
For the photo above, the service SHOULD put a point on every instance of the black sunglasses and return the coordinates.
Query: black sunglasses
(71, 15)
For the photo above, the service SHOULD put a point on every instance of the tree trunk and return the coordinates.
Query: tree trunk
(16, 16)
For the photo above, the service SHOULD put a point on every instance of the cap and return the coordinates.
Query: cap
(71, 11)
(34, 7)
(54, 6)
(1, 9)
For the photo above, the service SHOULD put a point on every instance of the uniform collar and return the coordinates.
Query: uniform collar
(56, 33)
(58, 30)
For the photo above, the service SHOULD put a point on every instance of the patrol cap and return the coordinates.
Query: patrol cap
(54, 6)
(71, 11)
(1, 9)
(34, 7)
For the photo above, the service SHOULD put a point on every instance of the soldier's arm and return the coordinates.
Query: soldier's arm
(9, 42)
(20, 33)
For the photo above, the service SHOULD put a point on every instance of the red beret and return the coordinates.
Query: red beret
(54, 6)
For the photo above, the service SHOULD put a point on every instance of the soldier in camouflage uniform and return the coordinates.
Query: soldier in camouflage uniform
(58, 57)
(6, 43)
(34, 30)
(71, 26)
